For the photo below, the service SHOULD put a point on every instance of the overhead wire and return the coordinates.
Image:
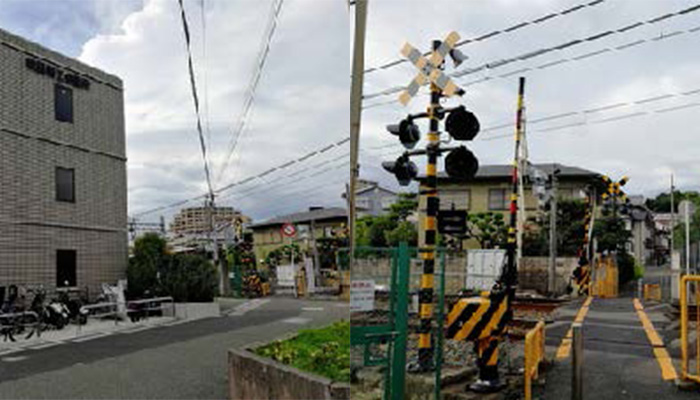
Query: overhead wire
(195, 98)
(491, 65)
(495, 33)
(281, 167)
(251, 90)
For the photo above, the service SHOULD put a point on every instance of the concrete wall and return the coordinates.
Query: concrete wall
(33, 225)
(533, 273)
(254, 377)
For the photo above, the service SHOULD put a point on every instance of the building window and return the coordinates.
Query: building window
(460, 199)
(497, 199)
(65, 184)
(66, 268)
(63, 103)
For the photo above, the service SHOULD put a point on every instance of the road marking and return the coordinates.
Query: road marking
(296, 320)
(565, 347)
(312, 308)
(43, 345)
(247, 306)
(14, 359)
(668, 372)
(10, 351)
(90, 337)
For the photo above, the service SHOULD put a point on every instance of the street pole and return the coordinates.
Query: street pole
(358, 65)
(687, 237)
(673, 221)
(317, 261)
(553, 237)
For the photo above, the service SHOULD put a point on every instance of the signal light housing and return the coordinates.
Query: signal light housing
(407, 131)
(404, 169)
(461, 164)
(462, 124)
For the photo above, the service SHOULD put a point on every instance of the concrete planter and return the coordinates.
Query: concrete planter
(255, 377)
(193, 311)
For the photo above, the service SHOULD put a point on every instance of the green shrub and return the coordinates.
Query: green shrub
(154, 272)
(324, 351)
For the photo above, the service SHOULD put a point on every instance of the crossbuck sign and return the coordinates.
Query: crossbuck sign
(429, 69)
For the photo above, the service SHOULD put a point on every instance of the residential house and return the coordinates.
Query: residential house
(490, 190)
(372, 199)
(639, 220)
(315, 223)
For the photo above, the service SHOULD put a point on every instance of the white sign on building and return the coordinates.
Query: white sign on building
(361, 295)
(286, 275)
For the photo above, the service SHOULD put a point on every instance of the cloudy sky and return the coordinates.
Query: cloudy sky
(301, 102)
(649, 141)
(624, 102)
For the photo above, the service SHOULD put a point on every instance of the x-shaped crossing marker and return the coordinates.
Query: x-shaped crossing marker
(429, 69)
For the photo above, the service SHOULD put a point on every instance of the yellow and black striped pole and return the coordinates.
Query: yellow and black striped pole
(427, 246)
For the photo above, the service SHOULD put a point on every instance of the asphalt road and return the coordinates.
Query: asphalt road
(618, 361)
(186, 361)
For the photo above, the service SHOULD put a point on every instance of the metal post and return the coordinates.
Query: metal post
(551, 285)
(577, 358)
(358, 65)
(398, 360)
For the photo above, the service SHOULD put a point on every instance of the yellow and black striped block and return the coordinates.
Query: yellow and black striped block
(478, 318)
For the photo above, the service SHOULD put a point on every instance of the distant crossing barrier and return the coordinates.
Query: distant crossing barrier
(534, 355)
(606, 278)
(690, 323)
(652, 291)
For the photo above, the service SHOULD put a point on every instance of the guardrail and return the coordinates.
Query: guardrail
(686, 298)
(159, 300)
(652, 291)
(534, 355)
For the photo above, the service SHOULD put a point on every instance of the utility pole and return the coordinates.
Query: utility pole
(358, 66)
(673, 221)
(223, 278)
(551, 285)
(317, 261)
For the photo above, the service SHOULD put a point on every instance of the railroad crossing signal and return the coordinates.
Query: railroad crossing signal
(429, 69)
(613, 192)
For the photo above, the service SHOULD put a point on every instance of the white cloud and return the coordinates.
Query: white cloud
(301, 101)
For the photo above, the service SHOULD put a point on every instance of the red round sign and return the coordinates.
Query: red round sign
(289, 230)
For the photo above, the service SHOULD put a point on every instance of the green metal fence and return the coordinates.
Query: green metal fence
(381, 337)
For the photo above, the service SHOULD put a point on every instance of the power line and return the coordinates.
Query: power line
(557, 48)
(252, 86)
(281, 167)
(492, 34)
(195, 98)
(586, 112)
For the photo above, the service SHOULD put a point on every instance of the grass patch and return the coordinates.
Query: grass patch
(324, 351)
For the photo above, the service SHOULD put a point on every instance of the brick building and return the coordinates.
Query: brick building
(63, 197)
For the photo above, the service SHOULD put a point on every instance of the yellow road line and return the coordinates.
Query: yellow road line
(565, 347)
(668, 372)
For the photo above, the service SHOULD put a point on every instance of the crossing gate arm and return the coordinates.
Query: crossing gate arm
(534, 355)
(685, 301)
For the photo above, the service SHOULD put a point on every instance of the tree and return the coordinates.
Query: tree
(152, 271)
(662, 202)
(488, 228)
(405, 205)
(571, 215)
(612, 236)
(390, 229)
(405, 231)
(149, 256)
